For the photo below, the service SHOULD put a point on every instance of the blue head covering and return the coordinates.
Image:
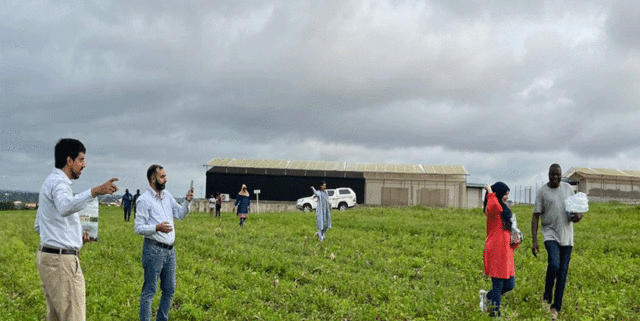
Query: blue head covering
(501, 190)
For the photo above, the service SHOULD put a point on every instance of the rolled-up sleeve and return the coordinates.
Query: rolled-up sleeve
(141, 224)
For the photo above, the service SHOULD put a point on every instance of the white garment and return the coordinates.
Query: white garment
(153, 209)
(57, 220)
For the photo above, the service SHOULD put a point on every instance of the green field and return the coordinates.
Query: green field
(376, 264)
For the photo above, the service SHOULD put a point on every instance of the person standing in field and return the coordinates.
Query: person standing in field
(135, 199)
(242, 204)
(557, 230)
(498, 249)
(212, 204)
(323, 211)
(218, 204)
(127, 202)
(156, 210)
(61, 236)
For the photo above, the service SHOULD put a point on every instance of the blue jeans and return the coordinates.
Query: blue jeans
(157, 262)
(558, 258)
(500, 287)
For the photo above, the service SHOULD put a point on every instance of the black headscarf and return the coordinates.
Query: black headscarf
(501, 189)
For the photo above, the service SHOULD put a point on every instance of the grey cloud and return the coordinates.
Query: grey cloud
(146, 83)
(622, 24)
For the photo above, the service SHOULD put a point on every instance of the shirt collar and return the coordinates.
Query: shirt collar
(59, 172)
(156, 196)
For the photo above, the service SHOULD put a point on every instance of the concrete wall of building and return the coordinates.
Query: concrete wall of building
(474, 197)
(202, 205)
(416, 188)
(609, 189)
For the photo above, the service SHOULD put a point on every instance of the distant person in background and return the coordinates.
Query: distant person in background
(498, 249)
(212, 204)
(218, 204)
(135, 199)
(323, 211)
(156, 210)
(61, 236)
(242, 204)
(127, 203)
(557, 230)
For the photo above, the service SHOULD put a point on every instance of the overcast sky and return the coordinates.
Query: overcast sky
(504, 88)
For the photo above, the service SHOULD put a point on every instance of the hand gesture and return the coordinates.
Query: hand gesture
(107, 188)
(576, 217)
(164, 227)
(189, 196)
(488, 188)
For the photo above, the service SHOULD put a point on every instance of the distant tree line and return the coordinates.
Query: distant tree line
(24, 197)
(6, 206)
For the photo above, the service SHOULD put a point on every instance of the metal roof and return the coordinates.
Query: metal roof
(339, 166)
(603, 172)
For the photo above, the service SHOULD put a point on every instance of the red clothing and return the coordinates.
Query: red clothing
(498, 255)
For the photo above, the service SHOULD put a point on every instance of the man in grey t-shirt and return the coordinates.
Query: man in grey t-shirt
(557, 230)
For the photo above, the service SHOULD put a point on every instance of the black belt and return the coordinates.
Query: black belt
(57, 251)
(160, 244)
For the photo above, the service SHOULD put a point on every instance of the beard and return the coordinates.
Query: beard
(159, 186)
(75, 175)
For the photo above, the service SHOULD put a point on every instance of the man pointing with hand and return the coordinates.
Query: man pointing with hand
(155, 210)
(61, 236)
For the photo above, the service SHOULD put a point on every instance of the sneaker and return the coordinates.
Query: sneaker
(554, 314)
(484, 301)
(546, 306)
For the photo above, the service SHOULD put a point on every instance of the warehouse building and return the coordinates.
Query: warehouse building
(374, 184)
(604, 185)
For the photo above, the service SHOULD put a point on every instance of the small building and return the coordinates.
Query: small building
(374, 184)
(475, 194)
(604, 185)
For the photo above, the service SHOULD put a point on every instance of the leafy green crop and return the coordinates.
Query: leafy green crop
(376, 264)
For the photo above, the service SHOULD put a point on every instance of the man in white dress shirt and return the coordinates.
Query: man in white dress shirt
(156, 209)
(61, 236)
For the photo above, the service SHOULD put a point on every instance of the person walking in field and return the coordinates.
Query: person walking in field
(212, 204)
(498, 249)
(243, 201)
(61, 236)
(127, 202)
(557, 230)
(323, 211)
(156, 210)
(135, 199)
(218, 204)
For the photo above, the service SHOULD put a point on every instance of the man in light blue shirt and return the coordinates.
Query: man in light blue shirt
(155, 210)
(61, 236)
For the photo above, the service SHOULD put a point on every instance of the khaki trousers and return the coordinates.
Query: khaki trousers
(63, 286)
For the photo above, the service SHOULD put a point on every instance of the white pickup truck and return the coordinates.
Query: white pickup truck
(341, 198)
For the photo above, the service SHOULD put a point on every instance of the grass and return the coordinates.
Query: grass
(376, 264)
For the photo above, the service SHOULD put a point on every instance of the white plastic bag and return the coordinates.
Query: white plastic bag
(516, 234)
(89, 219)
(578, 203)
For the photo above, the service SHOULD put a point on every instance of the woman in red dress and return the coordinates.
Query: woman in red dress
(498, 250)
